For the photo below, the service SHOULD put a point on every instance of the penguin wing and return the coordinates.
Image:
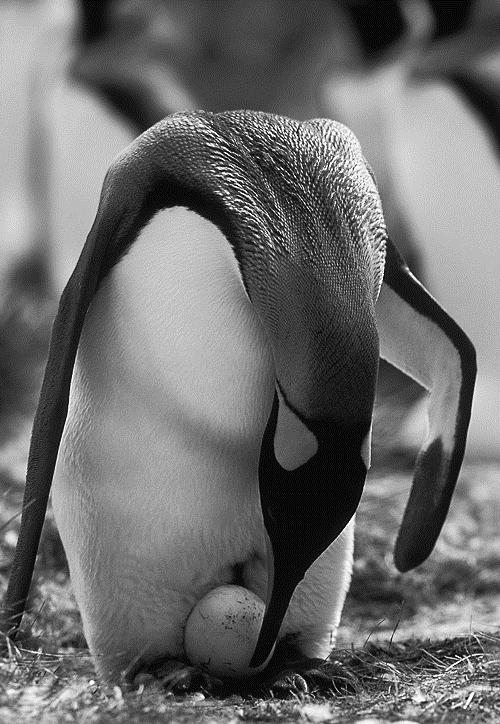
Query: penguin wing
(52, 409)
(418, 337)
(481, 90)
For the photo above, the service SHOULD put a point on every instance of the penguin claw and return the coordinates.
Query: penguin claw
(288, 683)
(310, 676)
(182, 681)
(177, 677)
(189, 680)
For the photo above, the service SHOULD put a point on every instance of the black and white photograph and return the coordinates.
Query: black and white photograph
(250, 361)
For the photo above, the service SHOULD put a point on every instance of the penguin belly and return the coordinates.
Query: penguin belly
(156, 486)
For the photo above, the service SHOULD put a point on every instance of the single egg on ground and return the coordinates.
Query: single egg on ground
(222, 631)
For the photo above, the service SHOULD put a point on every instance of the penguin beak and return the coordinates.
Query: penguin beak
(305, 509)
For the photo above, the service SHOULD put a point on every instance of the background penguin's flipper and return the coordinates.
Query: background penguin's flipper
(418, 337)
(481, 90)
(51, 411)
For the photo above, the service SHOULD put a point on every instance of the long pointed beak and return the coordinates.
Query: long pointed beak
(304, 511)
(280, 592)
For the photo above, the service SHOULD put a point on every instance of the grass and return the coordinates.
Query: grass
(426, 644)
(449, 680)
(452, 680)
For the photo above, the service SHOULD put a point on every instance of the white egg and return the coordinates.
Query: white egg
(222, 631)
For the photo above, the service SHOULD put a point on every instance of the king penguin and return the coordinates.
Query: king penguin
(207, 403)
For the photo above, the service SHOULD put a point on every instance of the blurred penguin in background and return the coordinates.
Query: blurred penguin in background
(121, 65)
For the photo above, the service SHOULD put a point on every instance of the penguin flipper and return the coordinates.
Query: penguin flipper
(481, 91)
(51, 411)
(418, 337)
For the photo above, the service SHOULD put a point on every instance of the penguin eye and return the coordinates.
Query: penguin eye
(294, 443)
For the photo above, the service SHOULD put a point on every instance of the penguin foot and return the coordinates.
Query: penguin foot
(287, 683)
(177, 677)
(309, 676)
